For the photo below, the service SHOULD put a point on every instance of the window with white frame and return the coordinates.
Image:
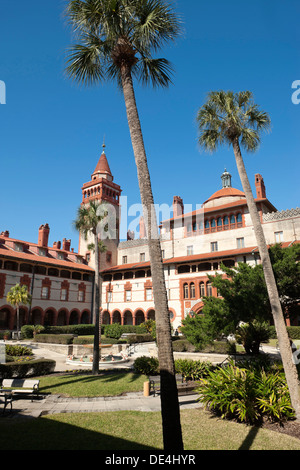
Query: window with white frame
(64, 294)
(190, 250)
(240, 242)
(214, 246)
(278, 237)
(109, 296)
(80, 296)
(128, 295)
(142, 257)
(45, 292)
(149, 293)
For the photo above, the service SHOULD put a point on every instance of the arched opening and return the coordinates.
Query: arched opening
(139, 317)
(49, 317)
(85, 317)
(36, 316)
(74, 318)
(4, 318)
(105, 318)
(151, 315)
(127, 318)
(62, 318)
(117, 317)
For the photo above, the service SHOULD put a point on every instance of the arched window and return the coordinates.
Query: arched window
(213, 223)
(202, 289)
(239, 218)
(207, 224)
(185, 291)
(219, 222)
(232, 219)
(225, 220)
(209, 289)
(192, 290)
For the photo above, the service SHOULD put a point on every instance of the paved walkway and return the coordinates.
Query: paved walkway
(51, 404)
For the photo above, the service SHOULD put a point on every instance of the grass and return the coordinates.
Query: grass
(88, 385)
(130, 430)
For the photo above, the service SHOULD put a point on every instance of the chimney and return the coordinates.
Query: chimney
(5, 234)
(57, 245)
(44, 231)
(66, 244)
(177, 206)
(260, 187)
(142, 228)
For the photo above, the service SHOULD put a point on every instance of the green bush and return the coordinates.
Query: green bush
(57, 339)
(32, 368)
(192, 370)
(139, 338)
(246, 394)
(17, 350)
(182, 345)
(80, 330)
(114, 330)
(293, 332)
(146, 365)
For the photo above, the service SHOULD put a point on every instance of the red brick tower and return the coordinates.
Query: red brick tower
(102, 188)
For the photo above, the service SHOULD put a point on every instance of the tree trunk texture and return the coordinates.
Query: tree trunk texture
(96, 314)
(280, 326)
(172, 435)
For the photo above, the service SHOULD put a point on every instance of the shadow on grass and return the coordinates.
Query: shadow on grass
(47, 434)
(87, 378)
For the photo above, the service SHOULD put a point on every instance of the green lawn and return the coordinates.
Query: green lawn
(88, 385)
(129, 430)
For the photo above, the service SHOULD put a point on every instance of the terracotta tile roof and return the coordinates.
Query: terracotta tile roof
(225, 192)
(197, 257)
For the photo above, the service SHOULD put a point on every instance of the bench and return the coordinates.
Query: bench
(184, 388)
(20, 386)
(6, 398)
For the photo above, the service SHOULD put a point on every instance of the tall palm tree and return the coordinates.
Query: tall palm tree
(116, 41)
(17, 296)
(234, 119)
(89, 216)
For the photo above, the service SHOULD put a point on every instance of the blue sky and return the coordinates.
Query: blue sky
(52, 130)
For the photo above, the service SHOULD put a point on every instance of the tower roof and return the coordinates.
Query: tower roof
(102, 167)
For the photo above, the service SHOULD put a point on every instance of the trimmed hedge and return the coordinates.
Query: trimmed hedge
(32, 368)
(57, 339)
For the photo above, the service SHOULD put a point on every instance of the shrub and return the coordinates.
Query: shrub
(139, 338)
(79, 330)
(17, 350)
(246, 394)
(57, 339)
(192, 370)
(146, 365)
(114, 330)
(32, 368)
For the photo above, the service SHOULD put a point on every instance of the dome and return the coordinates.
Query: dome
(226, 195)
(226, 192)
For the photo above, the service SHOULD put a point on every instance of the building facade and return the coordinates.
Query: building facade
(194, 244)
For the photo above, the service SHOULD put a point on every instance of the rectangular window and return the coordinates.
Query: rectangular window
(128, 296)
(214, 246)
(163, 254)
(109, 296)
(45, 292)
(63, 294)
(240, 242)
(124, 259)
(190, 250)
(142, 257)
(81, 296)
(148, 294)
(278, 237)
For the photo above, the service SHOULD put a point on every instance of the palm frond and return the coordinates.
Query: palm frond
(86, 61)
(155, 71)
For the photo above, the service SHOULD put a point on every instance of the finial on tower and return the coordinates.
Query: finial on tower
(103, 145)
(226, 179)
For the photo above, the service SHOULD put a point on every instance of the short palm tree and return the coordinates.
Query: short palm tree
(234, 119)
(18, 295)
(117, 39)
(89, 216)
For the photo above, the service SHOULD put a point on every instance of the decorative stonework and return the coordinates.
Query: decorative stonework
(279, 215)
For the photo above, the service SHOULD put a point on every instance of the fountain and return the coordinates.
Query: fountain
(86, 360)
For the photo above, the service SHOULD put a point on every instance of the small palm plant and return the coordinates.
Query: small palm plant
(235, 120)
(18, 295)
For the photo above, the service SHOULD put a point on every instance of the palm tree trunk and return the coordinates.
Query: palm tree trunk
(172, 435)
(96, 353)
(283, 339)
